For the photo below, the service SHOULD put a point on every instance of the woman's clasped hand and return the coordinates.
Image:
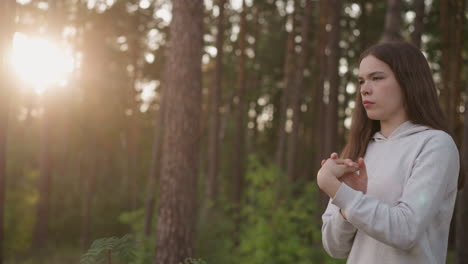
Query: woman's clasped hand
(335, 171)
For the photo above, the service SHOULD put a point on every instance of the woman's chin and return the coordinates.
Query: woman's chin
(373, 116)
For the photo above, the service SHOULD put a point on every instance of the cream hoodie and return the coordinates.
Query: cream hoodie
(405, 215)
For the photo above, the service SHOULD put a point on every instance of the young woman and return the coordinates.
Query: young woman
(394, 186)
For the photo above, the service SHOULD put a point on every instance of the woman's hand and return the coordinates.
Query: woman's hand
(332, 169)
(355, 180)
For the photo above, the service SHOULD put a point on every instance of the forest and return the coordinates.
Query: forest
(191, 131)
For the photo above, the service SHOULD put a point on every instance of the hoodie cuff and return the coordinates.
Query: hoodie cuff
(346, 198)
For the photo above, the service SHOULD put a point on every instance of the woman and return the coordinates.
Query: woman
(393, 189)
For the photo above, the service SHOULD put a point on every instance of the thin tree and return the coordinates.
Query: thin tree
(456, 61)
(7, 18)
(332, 80)
(297, 92)
(317, 87)
(240, 128)
(286, 84)
(319, 107)
(180, 163)
(216, 95)
(461, 213)
(155, 168)
(419, 8)
(451, 26)
(41, 229)
(393, 21)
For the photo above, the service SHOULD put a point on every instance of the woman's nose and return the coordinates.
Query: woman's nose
(365, 89)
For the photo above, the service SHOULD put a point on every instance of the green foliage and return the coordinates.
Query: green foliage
(193, 261)
(108, 250)
(135, 219)
(214, 239)
(280, 218)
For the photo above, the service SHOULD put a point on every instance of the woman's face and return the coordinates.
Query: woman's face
(380, 92)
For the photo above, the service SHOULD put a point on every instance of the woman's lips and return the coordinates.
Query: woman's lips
(368, 103)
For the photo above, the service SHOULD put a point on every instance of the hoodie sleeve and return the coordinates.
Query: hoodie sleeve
(337, 233)
(432, 184)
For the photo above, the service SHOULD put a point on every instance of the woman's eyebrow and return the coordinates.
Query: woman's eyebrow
(371, 74)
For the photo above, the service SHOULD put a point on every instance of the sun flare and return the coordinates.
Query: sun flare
(40, 63)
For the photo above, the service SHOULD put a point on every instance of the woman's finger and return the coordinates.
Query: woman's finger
(334, 155)
(347, 162)
(351, 163)
(343, 169)
(323, 162)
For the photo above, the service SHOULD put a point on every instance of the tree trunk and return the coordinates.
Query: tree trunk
(460, 220)
(419, 7)
(7, 18)
(333, 80)
(40, 237)
(456, 61)
(254, 79)
(363, 25)
(318, 93)
(332, 83)
(178, 184)
(239, 138)
(445, 59)
(216, 95)
(297, 92)
(155, 169)
(287, 79)
(393, 21)
(88, 170)
(41, 230)
(461, 214)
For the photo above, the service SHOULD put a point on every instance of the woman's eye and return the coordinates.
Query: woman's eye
(376, 78)
(361, 82)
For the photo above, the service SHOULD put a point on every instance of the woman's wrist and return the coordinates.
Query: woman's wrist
(331, 186)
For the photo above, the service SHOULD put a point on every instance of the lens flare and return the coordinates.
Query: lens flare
(40, 63)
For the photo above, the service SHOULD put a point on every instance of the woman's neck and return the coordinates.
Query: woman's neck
(388, 126)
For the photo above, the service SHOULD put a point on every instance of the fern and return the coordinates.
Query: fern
(105, 250)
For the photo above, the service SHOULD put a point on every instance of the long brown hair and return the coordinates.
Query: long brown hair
(421, 103)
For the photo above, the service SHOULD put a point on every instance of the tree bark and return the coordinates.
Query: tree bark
(318, 94)
(451, 25)
(333, 79)
(7, 18)
(155, 169)
(41, 230)
(131, 129)
(419, 7)
(88, 170)
(393, 21)
(178, 184)
(456, 66)
(215, 116)
(297, 92)
(461, 212)
(284, 102)
(240, 128)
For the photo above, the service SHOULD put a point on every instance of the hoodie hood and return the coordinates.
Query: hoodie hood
(405, 129)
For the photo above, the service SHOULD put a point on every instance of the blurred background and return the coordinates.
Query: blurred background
(220, 168)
